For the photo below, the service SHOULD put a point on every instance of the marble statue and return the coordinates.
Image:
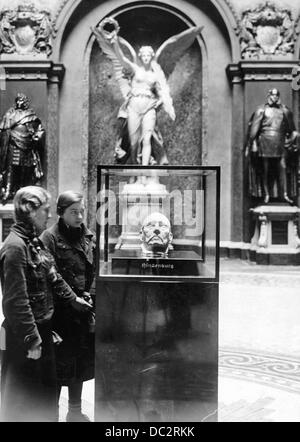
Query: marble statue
(143, 83)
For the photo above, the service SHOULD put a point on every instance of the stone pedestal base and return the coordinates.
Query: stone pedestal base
(138, 201)
(275, 240)
(6, 220)
(156, 347)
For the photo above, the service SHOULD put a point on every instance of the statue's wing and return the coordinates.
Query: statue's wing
(164, 90)
(108, 50)
(128, 50)
(174, 47)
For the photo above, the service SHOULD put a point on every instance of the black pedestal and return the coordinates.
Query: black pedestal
(156, 351)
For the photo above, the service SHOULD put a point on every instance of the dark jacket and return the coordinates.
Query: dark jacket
(73, 250)
(74, 258)
(28, 279)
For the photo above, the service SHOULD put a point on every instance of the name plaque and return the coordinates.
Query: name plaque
(177, 263)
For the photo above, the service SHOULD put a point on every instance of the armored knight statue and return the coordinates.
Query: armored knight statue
(272, 148)
(143, 83)
(156, 236)
(21, 144)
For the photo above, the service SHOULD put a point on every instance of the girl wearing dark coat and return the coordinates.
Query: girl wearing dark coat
(72, 246)
(28, 280)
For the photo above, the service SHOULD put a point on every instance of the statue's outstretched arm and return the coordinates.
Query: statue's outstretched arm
(111, 47)
(126, 63)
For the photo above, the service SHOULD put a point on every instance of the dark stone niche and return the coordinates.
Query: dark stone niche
(182, 138)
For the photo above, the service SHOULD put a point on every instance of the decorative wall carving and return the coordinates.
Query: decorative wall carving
(26, 30)
(267, 30)
(297, 33)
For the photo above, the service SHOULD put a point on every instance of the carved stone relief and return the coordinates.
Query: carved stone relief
(266, 30)
(26, 30)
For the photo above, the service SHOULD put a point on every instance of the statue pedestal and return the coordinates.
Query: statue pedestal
(138, 201)
(275, 240)
(6, 220)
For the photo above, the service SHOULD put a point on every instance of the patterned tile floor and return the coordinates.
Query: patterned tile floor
(259, 338)
(259, 365)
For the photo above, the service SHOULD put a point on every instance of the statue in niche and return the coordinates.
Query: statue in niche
(272, 147)
(145, 91)
(156, 236)
(21, 144)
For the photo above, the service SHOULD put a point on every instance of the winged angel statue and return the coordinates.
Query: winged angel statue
(145, 90)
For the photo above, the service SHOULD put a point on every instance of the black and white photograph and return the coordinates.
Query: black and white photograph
(149, 213)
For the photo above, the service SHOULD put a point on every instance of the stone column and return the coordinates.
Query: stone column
(237, 218)
(52, 153)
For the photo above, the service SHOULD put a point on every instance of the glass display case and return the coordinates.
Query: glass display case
(157, 294)
(158, 222)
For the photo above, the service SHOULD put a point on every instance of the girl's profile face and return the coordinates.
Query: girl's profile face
(73, 215)
(40, 217)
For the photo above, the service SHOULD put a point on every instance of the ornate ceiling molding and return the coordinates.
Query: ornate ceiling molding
(258, 70)
(32, 70)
